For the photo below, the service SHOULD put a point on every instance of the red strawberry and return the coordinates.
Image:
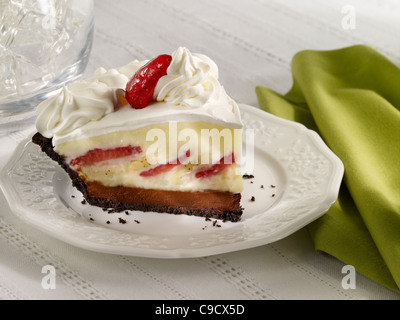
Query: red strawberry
(97, 155)
(164, 167)
(217, 167)
(157, 170)
(140, 89)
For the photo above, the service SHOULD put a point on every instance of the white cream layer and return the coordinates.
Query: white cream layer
(127, 118)
(179, 178)
(207, 143)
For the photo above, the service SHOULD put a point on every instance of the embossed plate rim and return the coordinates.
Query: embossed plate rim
(279, 221)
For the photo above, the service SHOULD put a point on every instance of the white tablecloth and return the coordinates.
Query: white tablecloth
(252, 42)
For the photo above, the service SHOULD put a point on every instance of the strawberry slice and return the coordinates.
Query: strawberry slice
(157, 170)
(140, 89)
(165, 167)
(97, 155)
(216, 168)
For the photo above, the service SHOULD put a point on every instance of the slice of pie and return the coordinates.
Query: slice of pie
(159, 135)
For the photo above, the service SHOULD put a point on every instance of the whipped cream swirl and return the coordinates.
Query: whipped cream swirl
(83, 101)
(192, 81)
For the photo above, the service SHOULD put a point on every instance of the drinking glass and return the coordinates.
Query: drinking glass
(44, 44)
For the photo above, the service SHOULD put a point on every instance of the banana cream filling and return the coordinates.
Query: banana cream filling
(171, 156)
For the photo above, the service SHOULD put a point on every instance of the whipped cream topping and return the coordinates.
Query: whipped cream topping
(73, 107)
(190, 91)
(83, 101)
(191, 81)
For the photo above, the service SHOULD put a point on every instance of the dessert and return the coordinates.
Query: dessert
(159, 135)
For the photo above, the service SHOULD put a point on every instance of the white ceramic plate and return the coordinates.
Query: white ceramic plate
(296, 180)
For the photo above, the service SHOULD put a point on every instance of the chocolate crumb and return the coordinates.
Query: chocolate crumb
(123, 221)
(272, 186)
(83, 201)
(72, 196)
(137, 221)
(91, 219)
(215, 224)
(251, 182)
(273, 195)
(127, 213)
(247, 176)
(108, 222)
(262, 186)
(104, 209)
(208, 219)
(253, 199)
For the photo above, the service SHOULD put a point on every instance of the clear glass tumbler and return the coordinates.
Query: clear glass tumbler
(44, 44)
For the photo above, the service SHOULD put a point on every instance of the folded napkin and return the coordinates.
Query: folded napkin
(351, 97)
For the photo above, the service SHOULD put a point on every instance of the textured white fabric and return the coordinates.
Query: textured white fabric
(252, 41)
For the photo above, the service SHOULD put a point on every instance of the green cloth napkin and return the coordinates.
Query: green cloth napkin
(351, 97)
